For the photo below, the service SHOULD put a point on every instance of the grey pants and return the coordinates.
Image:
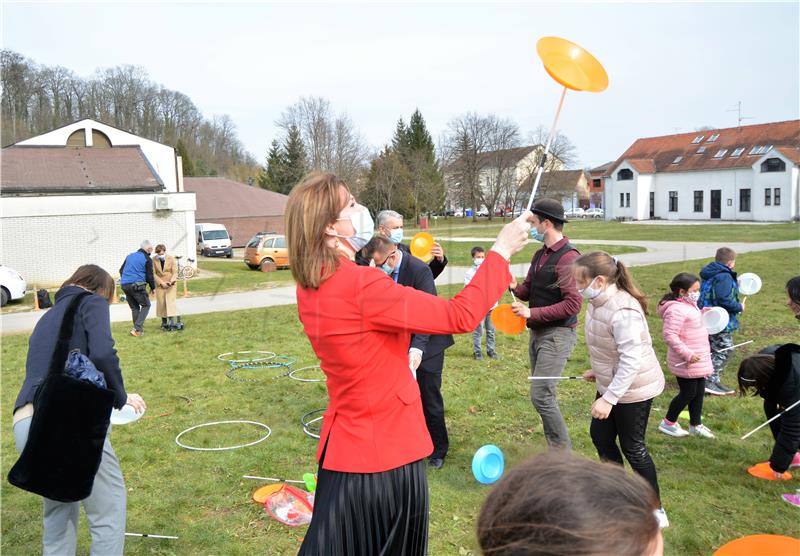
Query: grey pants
(719, 358)
(139, 302)
(477, 335)
(549, 349)
(105, 508)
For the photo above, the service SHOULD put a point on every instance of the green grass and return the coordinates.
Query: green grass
(599, 229)
(201, 497)
(458, 252)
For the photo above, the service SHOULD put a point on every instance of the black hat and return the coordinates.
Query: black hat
(549, 208)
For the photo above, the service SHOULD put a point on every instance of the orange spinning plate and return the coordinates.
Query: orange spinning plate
(264, 492)
(506, 321)
(421, 245)
(764, 471)
(774, 545)
(571, 65)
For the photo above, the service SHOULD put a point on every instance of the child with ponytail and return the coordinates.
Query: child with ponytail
(688, 354)
(624, 365)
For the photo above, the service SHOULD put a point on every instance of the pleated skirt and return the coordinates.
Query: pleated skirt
(382, 513)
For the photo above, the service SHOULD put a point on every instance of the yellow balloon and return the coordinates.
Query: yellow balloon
(421, 245)
(571, 65)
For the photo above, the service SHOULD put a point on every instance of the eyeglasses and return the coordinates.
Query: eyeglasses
(388, 257)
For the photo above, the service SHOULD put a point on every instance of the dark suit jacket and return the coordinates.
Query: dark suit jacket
(416, 274)
(435, 265)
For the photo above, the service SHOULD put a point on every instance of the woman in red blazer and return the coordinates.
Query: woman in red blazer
(372, 493)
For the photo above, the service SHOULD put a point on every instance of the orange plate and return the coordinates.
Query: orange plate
(774, 545)
(506, 321)
(421, 245)
(263, 493)
(571, 65)
(763, 471)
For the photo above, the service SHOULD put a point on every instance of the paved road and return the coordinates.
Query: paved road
(657, 252)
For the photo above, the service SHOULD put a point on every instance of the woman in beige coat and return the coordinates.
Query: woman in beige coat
(624, 365)
(165, 272)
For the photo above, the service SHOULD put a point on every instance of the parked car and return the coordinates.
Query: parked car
(459, 213)
(595, 213)
(576, 212)
(213, 240)
(482, 212)
(12, 285)
(269, 248)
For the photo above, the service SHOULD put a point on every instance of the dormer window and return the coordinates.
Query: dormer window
(713, 138)
(677, 159)
(697, 139)
(701, 150)
(773, 165)
(720, 153)
(761, 149)
(737, 152)
(625, 174)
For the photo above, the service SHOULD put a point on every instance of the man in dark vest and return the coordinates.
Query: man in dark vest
(426, 351)
(135, 274)
(552, 314)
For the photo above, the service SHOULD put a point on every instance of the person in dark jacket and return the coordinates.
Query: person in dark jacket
(426, 351)
(390, 226)
(719, 288)
(135, 274)
(793, 291)
(105, 507)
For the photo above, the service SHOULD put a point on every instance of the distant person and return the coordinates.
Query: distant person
(136, 273)
(720, 289)
(478, 256)
(390, 225)
(91, 333)
(688, 354)
(560, 504)
(554, 304)
(166, 277)
(426, 351)
(624, 364)
(793, 291)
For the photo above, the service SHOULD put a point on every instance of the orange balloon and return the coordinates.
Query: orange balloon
(421, 245)
(774, 545)
(264, 492)
(571, 65)
(506, 321)
(764, 471)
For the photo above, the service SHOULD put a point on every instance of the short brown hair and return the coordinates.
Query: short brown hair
(725, 255)
(94, 279)
(160, 248)
(558, 504)
(313, 204)
(378, 244)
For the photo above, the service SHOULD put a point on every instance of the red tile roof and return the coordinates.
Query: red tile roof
(45, 170)
(224, 198)
(657, 154)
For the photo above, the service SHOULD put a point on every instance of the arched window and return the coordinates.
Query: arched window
(773, 165)
(100, 139)
(624, 174)
(77, 138)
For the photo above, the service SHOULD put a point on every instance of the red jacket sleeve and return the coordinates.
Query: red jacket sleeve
(571, 303)
(388, 306)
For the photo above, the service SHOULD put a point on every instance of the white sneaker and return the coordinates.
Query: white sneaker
(701, 430)
(661, 517)
(673, 430)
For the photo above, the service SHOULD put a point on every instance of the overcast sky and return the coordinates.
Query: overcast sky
(672, 66)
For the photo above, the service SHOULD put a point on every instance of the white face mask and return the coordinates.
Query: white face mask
(589, 292)
(478, 261)
(363, 226)
(694, 297)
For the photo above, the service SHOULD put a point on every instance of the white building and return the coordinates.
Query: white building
(746, 173)
(90, 193)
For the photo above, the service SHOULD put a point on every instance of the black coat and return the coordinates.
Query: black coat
(781, 392)
(416, 274)
(435, 264)
(91, 334)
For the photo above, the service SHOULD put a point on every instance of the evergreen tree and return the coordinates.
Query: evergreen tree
(295, 159)
(400, 140)
(186, 162)
(272, 175)
(418, 138)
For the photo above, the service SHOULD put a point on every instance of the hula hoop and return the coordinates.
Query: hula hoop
(268, 364)
(312, 432)
(291, 374)
(266, 355)
(194, 448)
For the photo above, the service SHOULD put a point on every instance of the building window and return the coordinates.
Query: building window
(737, 152)
(697, 139)
(701, 150)
(673, 201)
(621, 200)
(773, 165)
(744, 200)
(624, 174)
(698, 201)
(677, 159)
(720, 153)
(596, 183)
(776, 197)
(761, 149)
(713, 138)
(627, 200)
(767, 197)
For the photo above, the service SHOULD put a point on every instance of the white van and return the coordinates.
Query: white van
(213, 240)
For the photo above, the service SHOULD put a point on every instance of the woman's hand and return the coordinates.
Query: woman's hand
(136, 401)
(588, 376)
(601, 408)
(520, 310)
(514, 236)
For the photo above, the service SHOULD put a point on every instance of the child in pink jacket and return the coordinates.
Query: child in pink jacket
(688, 354)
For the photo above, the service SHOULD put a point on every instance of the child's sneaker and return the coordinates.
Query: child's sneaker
(661, 517)
(793, 499)
(701, 430)
(795, 460)
(674, 429)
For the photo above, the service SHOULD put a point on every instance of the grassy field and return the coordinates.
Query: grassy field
(202, 498)
(458, 252)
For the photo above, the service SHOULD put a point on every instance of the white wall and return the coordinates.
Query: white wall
(161, 157)
(46, 238)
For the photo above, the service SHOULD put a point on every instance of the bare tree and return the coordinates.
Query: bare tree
(467, 139)
(562, 155)
(499, 163)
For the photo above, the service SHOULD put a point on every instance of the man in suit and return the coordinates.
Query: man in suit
(390, 226)
(426, 352)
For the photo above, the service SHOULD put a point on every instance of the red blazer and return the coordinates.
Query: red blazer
(359, 323)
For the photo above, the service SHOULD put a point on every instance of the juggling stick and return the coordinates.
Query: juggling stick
(556, 378)
(540, 169)
(764, 424)
(721, 350)
(273, 479)
(150, 536)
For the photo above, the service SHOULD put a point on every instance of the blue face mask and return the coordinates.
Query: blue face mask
(385, 266)
(396, 235)
(535, 234)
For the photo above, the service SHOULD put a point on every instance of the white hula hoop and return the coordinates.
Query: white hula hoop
(265, 356)
(306, 424)
(291, 374)
(194, 448)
